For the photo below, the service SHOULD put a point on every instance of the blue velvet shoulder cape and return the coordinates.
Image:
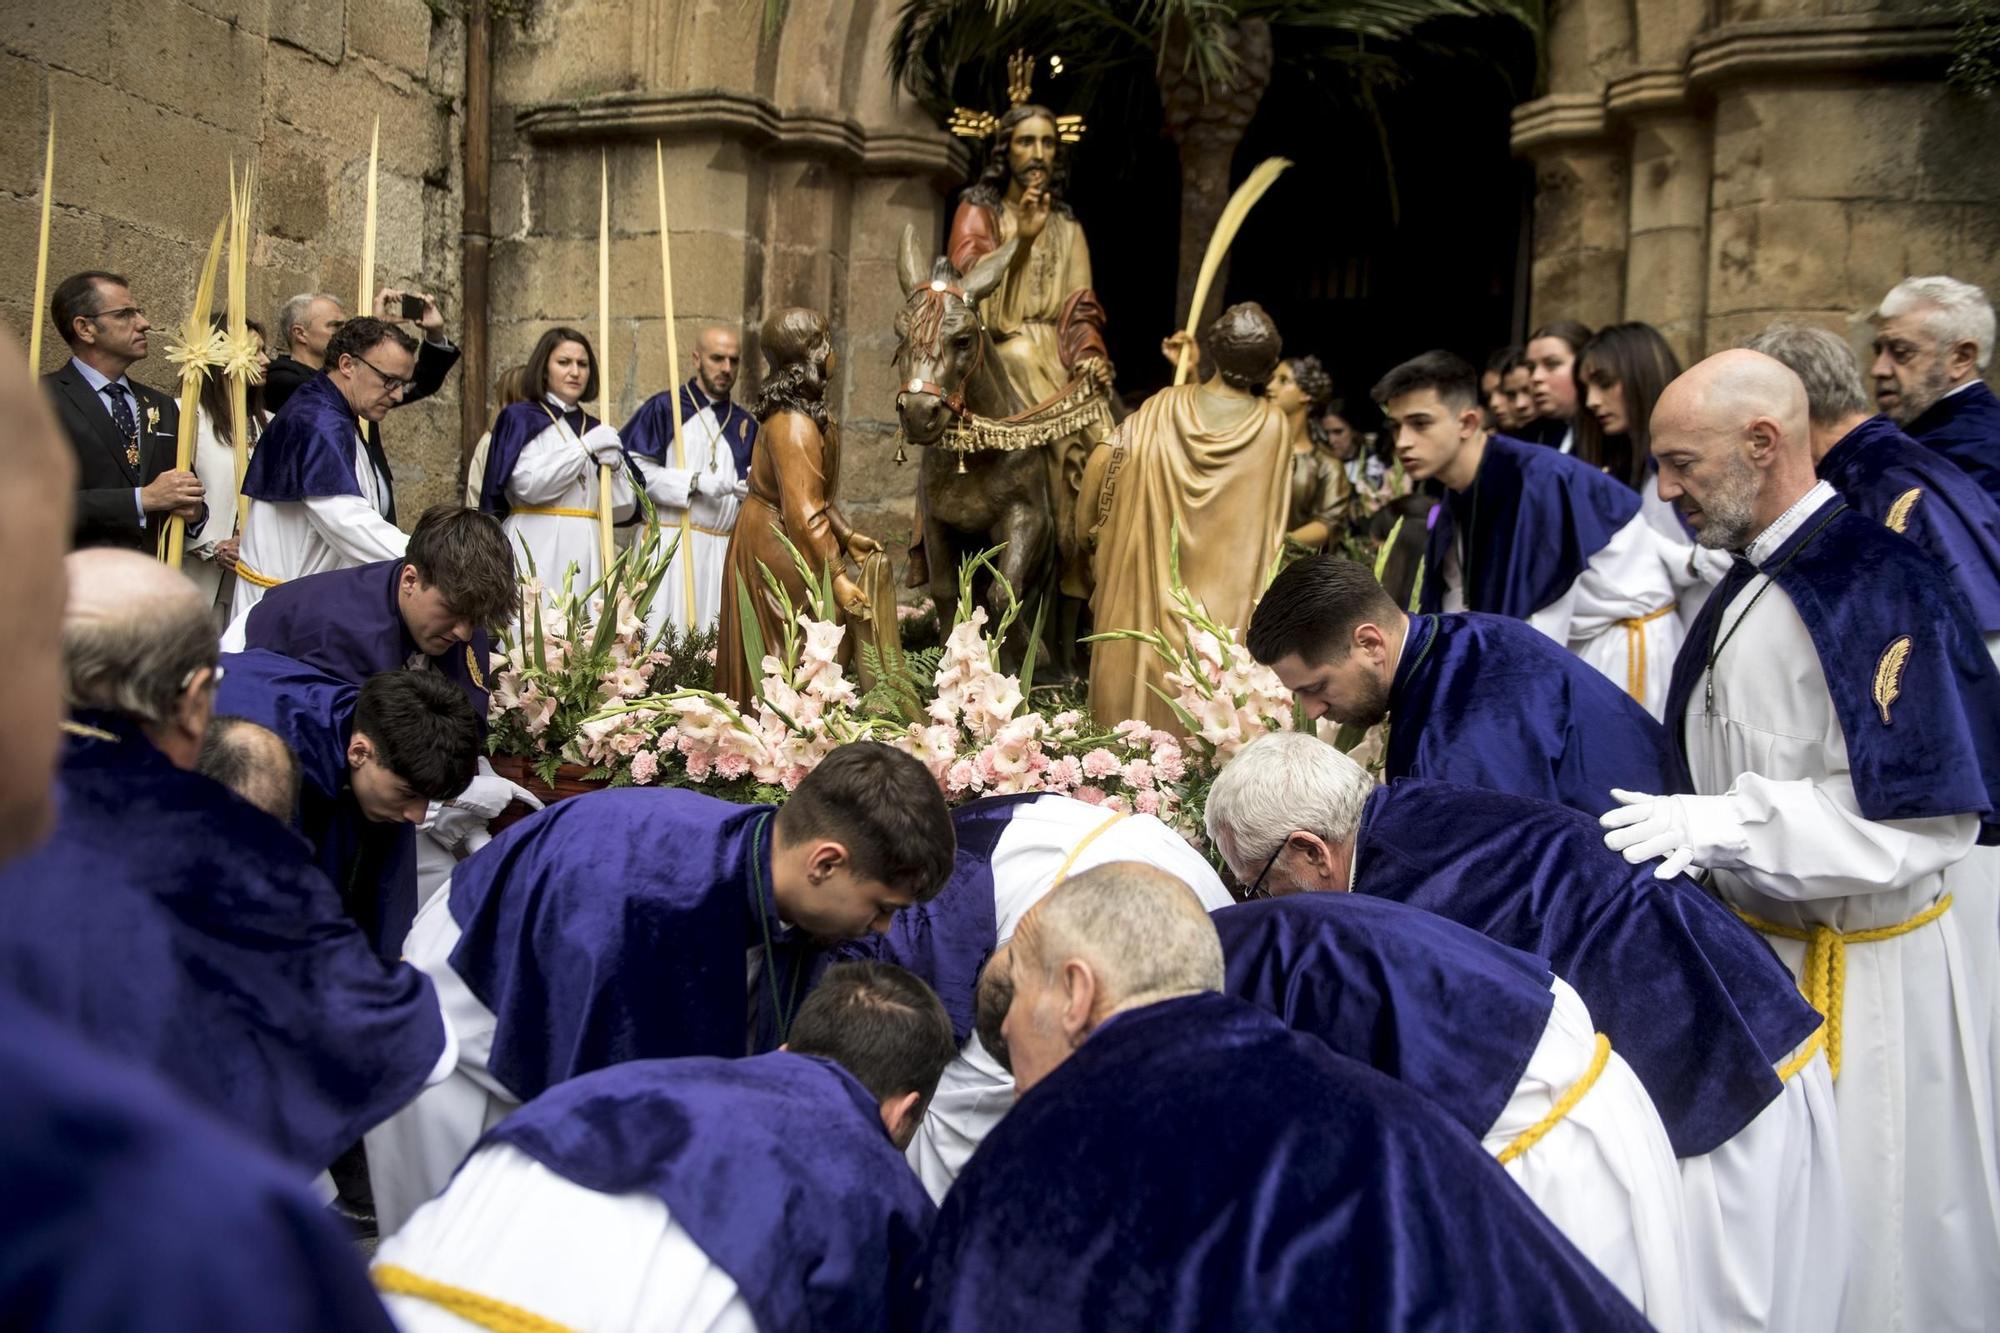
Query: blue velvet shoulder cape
(308, 449)
(1532, 519)
(650, 432)
(187, 930)
(613, 926)
(1693, 999)
(1965, 427)
(1923, 727)
(1195, 1165)
(777, 1166)
(1489, 701)
(513, 430)
(1890, 478)
(128, 1209)
(1437, 1007)
(348, 624)
(374, 866)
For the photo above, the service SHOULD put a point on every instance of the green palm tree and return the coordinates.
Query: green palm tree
(1208, 61)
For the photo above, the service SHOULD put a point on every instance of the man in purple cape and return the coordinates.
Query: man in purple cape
(598, 1199)
(1475, 699)
(1180, 1160)
(158, 882)
(1933, 343)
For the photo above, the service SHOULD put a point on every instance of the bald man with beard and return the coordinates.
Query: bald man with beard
(1839, 723)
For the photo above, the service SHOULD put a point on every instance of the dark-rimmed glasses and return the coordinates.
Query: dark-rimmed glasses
(1257, 889)
(393, 383)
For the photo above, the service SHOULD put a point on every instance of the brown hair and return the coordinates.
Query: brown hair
(464, 555)
(215, 389)
(796, 348)
(1246, 345)
(1636, 358)
(537, 370)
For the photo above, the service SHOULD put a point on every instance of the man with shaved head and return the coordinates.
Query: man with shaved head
(1181, 1160)
(696, 475)
(1839, 721)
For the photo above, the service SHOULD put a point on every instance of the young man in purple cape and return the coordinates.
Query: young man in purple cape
(158, 882)
(1933, 342)
(1532, 534)
(319, 499)
(596, 1205)
(373, 760)
(1180, 1160)
(636, 924)
(1480, 700)
(1498, 1043)
(1703, 1011)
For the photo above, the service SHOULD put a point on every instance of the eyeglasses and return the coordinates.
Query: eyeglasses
(393, 383)
(1257, 889)
(122, 312)
(215, 674)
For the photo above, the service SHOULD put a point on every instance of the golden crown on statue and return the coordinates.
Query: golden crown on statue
(969, 124)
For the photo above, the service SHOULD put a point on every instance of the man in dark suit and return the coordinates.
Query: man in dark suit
(308, 320)
(123, 432)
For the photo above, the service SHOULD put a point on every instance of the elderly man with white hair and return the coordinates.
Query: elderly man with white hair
(1701, 1009)
(1840, 722)
(1933, 342)
(1182, 1160)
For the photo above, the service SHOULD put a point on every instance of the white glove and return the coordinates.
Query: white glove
(710, 484)
(741, 490)
(1645, 827)
(602, 444)
(488, 794)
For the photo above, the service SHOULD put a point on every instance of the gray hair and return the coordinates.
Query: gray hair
(1959, 312)
(1824, 363)
(1145, 932)
(134, 635)
(1283, 783)
(293, 311)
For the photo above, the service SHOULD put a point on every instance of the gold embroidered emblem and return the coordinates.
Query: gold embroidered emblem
(472, 668)
(1889, 675)
(1899, 512)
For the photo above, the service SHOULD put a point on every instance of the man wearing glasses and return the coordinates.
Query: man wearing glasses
(123, 432)
(319, 497)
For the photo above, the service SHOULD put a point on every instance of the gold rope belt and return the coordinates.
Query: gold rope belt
(1566, 1103)
(1824, 979)
(485, 1311)
(244, 571)
(712, 532)
(1062, 872)
(1635, 651)
(555, 511)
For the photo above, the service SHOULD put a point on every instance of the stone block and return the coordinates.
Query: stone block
(24, 131)
(292, 189)
(1733, 330)
(126, 159)
(395, 32)
(249, 15)
(1955, 134)
(69, 37)
(1764, 256)
(570, 49)
(316, 26)
(1580, 199)
(1739, 142)
(1586, 285)
(708, 189)
(340, 105)
(190, 62)
(507, 199)
(1670, 173)
(1664, 276)
(555, 278)
(1890, 241)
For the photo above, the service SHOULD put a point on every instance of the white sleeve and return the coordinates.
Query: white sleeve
(667, 487)
(1553, 619)
(236, 634)
(548, 467)
(353, 527)
(1630, 577)
(1799, 839)
(215, 465)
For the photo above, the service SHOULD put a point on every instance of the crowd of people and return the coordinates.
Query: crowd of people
(1654, 980)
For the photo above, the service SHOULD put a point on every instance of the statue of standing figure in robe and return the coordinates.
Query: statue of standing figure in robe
(794, 472)
(1211, 462)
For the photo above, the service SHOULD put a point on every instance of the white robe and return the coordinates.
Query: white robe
(1915, 1095)
(513, 1230)
(701, 522)
(289, 540)
(215, 465)
(1044, 842)
(554, 471)
(1693, 568)
(1617, 614)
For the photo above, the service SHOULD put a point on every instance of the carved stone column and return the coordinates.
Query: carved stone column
(1580, 210)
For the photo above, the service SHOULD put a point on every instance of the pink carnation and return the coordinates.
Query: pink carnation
(1090, 795)
(961, 777)
(1063, 773)
(731, 765)
(1169, 763)
(1100, 763)
(700, 763)
(645, 767)
(1139, 773)
(1146, 802)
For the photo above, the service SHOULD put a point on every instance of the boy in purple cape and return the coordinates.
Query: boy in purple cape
(598, 1199)
(1480, 700)
(638, 924)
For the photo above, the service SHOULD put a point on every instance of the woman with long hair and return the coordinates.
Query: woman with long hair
(543, 461)
(213, 554)
(1319, 492)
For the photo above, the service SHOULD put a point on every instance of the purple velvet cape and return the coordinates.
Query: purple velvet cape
(308, 449)
(1195, 1165)
(182, 928)
(1965, 428)
(1875, 466)
(650, 432)
(348, 624)
(1693, 999)
(513, 431)
(1487, 701)
(1531, 519)
(1860, 589)
(613, 926)
(374, 866)
(128, 1209)
(1435, 1006)
(777, 1166)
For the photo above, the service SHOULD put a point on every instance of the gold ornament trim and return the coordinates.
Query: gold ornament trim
(1889, 676)
(1899, 512)
(1080, 407)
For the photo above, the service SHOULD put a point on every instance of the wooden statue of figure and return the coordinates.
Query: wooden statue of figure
(794, 471)
(1211, 461)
